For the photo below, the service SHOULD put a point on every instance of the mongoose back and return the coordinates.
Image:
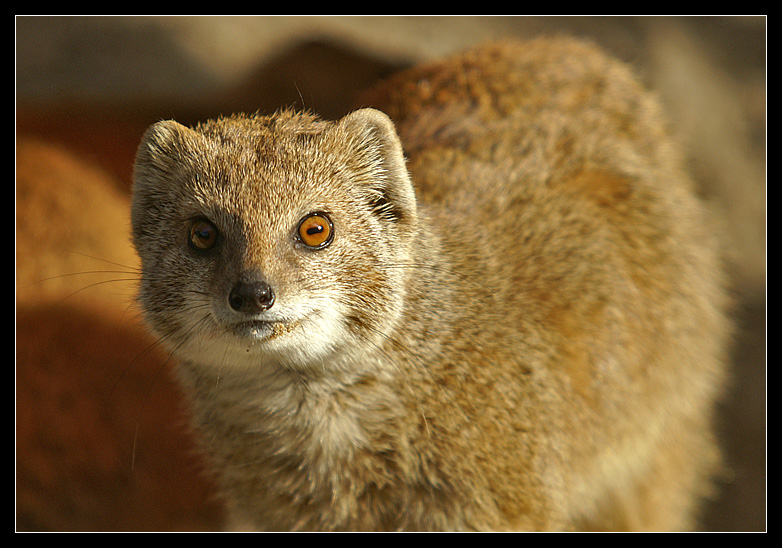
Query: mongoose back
(502, 310)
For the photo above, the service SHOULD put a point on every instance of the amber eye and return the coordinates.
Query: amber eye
(316, 231)
(203, 234)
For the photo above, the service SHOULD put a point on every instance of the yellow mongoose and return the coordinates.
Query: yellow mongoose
(501, 311)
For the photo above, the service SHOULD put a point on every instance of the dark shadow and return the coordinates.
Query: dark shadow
(324, 77)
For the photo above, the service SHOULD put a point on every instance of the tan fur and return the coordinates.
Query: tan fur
(521, 328)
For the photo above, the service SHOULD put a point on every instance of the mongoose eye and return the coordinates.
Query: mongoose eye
(316, 231)
(203, 234)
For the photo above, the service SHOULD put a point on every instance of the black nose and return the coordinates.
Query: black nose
(251, 297)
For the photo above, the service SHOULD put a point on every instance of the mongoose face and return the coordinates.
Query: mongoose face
(259, 237)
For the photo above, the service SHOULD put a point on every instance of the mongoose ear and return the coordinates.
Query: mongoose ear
(379, 160)
(161, 147)
(158, 160)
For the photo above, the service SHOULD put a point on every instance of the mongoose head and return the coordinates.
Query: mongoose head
(281, 236)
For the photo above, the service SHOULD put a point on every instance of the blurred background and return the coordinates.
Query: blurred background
(101, 441)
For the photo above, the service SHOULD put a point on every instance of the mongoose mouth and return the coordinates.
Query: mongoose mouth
(263, 329)
(254, 329)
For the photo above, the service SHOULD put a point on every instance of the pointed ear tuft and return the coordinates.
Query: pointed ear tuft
(161, 145)
(165, 147)
(379, 157)
(158, 161)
